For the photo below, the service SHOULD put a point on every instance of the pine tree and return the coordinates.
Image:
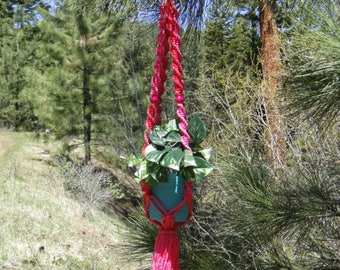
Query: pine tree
(120, 120)
(249, 30)
(271, 68)
(6, 9)
(231, 37)
(77, 43)
(312, 54)
(17, 31)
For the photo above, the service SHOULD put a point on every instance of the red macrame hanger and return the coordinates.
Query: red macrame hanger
(166, 250)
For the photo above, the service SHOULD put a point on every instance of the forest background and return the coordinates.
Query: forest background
(264, 76)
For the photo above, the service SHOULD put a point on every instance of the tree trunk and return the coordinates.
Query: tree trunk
(271, 66)
(87, 114)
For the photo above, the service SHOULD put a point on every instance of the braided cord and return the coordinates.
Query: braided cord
(154, 111)
(168, 33)
(166, 250)
(175, 52)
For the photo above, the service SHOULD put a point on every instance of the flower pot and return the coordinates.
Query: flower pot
(170, 194)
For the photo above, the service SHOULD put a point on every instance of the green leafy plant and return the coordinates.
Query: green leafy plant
(165, 154)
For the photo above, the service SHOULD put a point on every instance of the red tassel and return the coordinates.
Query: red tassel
(166, 252)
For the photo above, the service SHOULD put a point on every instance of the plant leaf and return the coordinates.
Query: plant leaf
(157, 172)
(157, 137)
(173, 159)
(189, 159)
(172, 125)
(142, 172)
(156, 155)
(203, 168)
(151, 181)
(150, 148)
(206, 153)
(196, 130)
(173, 136)
(134, 161)
(189, 174)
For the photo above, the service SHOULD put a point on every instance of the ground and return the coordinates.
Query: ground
(41, 225)
(5, 142)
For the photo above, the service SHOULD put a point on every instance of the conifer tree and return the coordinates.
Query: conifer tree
(271, 68)
(247, 29)
(77, 43)
(123, 102)
(229, 37)
(313, 54)
(17, 31)
(266, 18)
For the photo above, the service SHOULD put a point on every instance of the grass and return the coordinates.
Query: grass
(41, 225)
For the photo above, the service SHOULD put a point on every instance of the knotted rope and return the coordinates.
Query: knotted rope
(166, 251)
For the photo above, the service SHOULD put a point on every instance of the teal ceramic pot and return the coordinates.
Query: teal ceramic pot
(170, 194)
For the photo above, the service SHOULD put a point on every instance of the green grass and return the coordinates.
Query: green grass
(41, 226)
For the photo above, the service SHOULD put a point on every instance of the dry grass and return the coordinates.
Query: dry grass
(41, 226)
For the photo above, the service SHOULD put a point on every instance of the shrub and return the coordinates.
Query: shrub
(93, 187)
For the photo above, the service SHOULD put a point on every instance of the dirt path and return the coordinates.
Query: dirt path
(5, 142)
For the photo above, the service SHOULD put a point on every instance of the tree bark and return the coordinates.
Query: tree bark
(271, 67)
(87, 115)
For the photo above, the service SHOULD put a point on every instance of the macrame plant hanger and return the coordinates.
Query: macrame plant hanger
(166, 250)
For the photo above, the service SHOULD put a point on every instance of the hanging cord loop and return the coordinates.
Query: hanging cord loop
(168, 33)
(169, 41)
(166, 251)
